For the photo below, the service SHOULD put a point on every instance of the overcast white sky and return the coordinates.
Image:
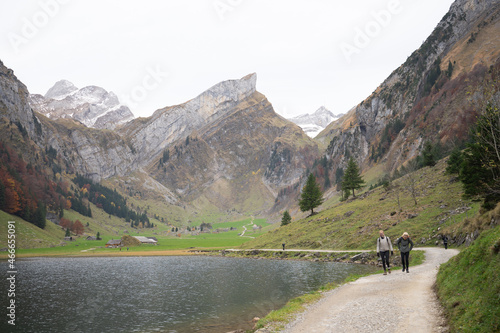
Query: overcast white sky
(154, 54)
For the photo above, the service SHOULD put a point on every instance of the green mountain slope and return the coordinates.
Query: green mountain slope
(354, 224)
(29, 236)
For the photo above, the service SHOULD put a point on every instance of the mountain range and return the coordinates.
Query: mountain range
(228, 150)
(93, 106)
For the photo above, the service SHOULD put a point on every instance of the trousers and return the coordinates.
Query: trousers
(384, 255)
(405, 259)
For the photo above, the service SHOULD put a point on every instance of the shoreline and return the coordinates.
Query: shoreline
(152, 253)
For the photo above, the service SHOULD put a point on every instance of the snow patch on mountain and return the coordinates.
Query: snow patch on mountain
(313, 124)
(93, 106)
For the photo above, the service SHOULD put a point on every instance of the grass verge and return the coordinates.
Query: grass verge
(468, 286)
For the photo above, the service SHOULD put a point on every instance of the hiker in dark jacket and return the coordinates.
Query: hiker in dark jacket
(405, 245)
(383, 247)
(445, 242)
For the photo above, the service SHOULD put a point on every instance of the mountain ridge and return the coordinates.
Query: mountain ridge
(415, 95)
(93, 106)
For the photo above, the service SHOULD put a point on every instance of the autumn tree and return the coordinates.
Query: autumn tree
(65, 223)
(352, 179)
(311, 196)
(78, 227)
(12, 204)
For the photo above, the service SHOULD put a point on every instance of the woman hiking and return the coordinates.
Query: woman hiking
(405, 245)
(383, 247)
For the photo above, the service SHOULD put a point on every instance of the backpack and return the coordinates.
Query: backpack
(387, 238)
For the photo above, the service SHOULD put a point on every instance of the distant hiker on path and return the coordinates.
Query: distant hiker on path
(445, 242)
(405, 245)
(283, 246)
(383, 247)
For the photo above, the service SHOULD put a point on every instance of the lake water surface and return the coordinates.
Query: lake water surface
(158, 294)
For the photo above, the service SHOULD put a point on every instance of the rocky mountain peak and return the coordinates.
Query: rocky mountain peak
(92, 105)
(230, 90)
(60, 90)
(313, 124)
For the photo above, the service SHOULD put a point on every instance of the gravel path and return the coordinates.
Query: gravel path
(397, 302)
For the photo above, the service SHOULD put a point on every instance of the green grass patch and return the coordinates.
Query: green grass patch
(279, 318)
(33, 241)
(28, 235)
(468, 286)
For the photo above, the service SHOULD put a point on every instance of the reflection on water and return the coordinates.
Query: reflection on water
(158, 294)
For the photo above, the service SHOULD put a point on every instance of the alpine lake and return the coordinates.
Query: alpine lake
(159, 294)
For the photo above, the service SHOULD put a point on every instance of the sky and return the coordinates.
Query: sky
(154, 54)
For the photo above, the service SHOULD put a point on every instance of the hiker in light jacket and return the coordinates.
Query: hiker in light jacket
(405, 245)
(383, 247)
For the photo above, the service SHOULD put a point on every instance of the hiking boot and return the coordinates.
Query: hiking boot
(385, 273)
(389, 271)
(407, 271)
(403, 269)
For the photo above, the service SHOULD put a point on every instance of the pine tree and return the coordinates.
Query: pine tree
(352, 179)
(68, 234)
(286, 219)
(2, 195)
(39, 216)
(428, 155)
(454, 162)
(98, 237)
(311, 196)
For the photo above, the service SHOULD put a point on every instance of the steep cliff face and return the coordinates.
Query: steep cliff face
(237, 161)
(92, 106)
(95, 153)
(426, 98)
(14, 104)
(150, 136)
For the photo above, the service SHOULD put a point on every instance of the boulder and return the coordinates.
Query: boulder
(349, 213)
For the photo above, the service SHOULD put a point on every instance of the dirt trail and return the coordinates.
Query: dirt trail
(397, 302)
(245, 229)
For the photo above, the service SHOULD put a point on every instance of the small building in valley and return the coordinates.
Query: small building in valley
(146, 240)
(114, 243)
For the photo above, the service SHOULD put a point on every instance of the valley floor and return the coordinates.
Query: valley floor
(397, 302)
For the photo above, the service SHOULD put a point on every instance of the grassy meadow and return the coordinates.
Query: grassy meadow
(33, 241)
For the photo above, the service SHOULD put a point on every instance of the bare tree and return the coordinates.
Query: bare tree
(395, 194)
(410, 181)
